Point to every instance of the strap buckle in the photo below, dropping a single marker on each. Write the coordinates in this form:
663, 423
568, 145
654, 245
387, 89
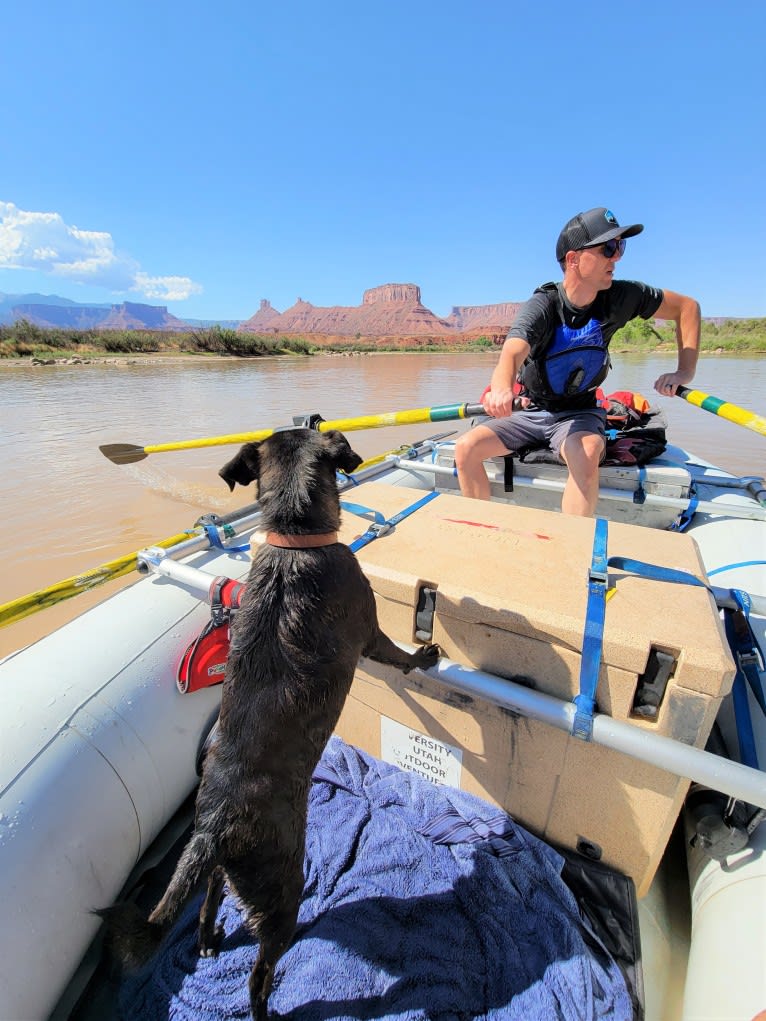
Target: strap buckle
596, 574
378, 529
750, 658
219, 612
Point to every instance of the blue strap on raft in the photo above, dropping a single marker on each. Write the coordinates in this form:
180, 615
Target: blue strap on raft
421, 902
748, 658
381, 525
211, 530
744, 646
639, 496
686, 516
595, 615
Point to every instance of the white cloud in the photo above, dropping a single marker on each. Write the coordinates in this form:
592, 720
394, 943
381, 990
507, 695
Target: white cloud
167, 288
43, 242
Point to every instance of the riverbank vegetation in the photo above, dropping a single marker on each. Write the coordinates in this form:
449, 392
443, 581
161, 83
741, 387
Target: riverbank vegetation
719, 336
23, 339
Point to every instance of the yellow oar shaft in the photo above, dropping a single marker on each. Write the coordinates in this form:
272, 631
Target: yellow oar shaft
25, 606
413, 416
211, 441
724, 409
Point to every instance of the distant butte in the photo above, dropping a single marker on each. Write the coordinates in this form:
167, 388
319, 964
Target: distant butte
390, 315
390, 311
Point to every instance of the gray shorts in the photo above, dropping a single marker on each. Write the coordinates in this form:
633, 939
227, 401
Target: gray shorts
525, 429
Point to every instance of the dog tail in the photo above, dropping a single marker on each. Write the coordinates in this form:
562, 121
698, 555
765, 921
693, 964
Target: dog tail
129, 936
133, 938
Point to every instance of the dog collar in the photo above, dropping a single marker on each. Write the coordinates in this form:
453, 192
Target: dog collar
301, 541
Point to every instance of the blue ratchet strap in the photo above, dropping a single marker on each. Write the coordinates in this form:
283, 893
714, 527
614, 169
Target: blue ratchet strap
381, 526
747, 652
655, 573
684, 519
739, 647
640, 494
435, 453
363, 512
585, 702
343, 477
215, 540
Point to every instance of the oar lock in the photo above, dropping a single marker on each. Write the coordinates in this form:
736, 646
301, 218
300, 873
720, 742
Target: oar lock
311, 421
308, 421
149, 558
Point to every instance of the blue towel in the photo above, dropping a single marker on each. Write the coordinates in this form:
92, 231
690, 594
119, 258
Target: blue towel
421, 902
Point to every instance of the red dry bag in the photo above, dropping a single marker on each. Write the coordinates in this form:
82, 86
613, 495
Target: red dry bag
204, 662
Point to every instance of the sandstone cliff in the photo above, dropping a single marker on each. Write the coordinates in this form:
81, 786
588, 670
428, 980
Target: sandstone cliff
392, 292
389, 311
264, 318
471, 317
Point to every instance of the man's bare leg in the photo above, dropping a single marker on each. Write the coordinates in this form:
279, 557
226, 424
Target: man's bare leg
471, 450
582, 454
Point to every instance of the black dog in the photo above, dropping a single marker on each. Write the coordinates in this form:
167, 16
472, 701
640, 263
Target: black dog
307, 616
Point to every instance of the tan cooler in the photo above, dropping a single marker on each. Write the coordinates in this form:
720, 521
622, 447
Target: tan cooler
511, 592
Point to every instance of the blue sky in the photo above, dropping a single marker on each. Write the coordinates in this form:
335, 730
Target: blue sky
206, 155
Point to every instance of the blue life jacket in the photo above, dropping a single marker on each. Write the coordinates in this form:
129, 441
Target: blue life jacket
574, 363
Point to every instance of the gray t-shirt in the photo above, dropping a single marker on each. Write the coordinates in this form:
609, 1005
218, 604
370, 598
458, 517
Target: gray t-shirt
539, 319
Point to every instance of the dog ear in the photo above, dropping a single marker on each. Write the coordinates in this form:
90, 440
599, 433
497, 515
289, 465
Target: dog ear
339, 451
244, 468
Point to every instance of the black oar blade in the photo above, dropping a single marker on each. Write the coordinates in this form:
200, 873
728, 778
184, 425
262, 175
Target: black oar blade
123, 453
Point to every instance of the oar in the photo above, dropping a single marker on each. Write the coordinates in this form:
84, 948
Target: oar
128, 453
26, 605
60, 591
404, 448
731, 412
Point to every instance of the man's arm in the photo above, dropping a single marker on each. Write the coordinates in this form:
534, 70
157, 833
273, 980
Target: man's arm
499, 401
685, 312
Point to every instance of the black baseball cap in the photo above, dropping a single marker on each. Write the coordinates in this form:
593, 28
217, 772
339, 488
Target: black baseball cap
592, 228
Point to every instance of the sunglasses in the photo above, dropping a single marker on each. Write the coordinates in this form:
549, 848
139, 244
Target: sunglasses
615, 246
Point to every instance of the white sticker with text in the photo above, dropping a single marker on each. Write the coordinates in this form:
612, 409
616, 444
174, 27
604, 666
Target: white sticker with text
418, 753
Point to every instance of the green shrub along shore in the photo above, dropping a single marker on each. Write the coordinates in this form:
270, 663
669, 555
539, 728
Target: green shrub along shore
23, 339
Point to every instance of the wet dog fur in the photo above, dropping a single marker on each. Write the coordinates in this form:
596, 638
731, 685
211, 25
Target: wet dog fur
306, 617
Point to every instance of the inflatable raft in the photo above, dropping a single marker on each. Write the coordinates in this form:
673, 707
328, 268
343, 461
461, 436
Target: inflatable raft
633, 752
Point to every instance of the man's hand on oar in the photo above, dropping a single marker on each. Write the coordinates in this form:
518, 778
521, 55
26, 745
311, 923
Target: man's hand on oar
128, 453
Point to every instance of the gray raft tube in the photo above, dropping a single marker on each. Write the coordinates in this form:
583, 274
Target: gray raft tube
754, 511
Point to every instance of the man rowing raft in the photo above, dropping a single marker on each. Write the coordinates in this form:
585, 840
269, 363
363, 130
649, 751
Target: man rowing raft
543, 390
